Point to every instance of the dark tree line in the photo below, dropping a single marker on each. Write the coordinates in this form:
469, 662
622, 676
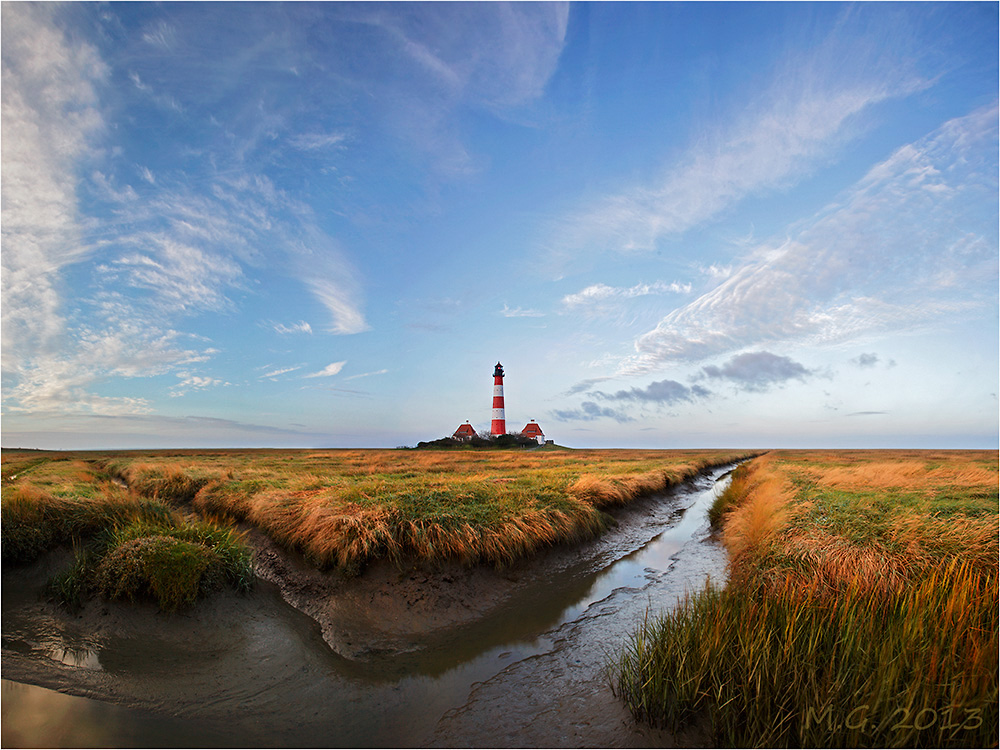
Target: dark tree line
482, 440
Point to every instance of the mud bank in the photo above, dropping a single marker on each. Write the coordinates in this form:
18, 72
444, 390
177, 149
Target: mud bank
442, 656
393, 610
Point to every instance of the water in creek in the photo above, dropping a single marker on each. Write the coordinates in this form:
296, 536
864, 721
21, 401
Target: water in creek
253, 672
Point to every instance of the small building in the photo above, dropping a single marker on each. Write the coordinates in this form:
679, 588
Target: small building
465, 432
532, 430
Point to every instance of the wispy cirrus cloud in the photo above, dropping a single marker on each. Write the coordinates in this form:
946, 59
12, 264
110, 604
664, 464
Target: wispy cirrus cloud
905, 246
599, 294
51, 118
366, 374
811, 110
190, 249
179, 276
331, 369
520, 312
194, 383
501, 55
317, 141
300, 327
271, 375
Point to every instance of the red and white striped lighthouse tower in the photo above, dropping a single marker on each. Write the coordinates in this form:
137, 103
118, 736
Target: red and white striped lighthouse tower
499, 425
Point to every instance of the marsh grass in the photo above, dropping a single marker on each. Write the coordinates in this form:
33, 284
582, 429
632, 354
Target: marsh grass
793, 666
171, 563
33, 520
861, 609
344, 509
127, 545
170, 570
341, 509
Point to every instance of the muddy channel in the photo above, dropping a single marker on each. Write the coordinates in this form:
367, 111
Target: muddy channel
444, 657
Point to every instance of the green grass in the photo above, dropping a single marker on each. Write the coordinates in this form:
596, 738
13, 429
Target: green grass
171, 563
730, 497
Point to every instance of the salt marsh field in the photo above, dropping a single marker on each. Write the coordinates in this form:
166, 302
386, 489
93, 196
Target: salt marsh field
427, 634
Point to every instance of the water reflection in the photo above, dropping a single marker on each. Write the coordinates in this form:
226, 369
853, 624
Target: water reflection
76, 657
32, 716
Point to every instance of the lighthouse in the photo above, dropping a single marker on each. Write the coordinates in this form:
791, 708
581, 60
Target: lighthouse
499, 425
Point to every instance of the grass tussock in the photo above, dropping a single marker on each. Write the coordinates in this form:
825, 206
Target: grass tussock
169, 563
861, 609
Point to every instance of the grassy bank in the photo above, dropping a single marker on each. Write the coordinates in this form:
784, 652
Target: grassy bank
861, 609
343, 509
128, 546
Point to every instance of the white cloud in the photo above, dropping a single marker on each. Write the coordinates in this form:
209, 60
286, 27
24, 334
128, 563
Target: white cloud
600, 293
282, 371
300, 327
63, 382
194, 383
910, 243
51, 123
501, 54
809, 112
717, 272
161, 34
773, 149
331, 369
338, 298
180, 276
433, 59
366, 375
316, 141
50, 119
189, 249
519, 312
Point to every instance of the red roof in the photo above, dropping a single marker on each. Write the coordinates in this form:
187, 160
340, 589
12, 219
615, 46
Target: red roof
465, 429
532, 430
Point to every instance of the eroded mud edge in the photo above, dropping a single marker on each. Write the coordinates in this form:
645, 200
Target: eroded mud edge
395, 609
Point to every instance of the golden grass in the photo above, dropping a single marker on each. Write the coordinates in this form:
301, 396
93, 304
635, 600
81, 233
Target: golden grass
902, 475
862, 608
753, 528
345, 508
856, 519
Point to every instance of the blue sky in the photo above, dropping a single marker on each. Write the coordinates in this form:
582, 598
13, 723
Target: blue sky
677, 225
